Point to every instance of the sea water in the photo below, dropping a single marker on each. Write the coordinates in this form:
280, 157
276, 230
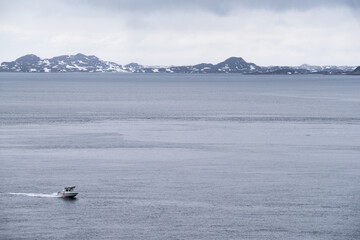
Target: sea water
177, 156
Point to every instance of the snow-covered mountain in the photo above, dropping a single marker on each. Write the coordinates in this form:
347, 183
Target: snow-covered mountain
83, 63
326, 68
356, 71
64, 63
230, 65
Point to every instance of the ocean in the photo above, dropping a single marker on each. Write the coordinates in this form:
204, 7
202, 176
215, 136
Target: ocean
179, 156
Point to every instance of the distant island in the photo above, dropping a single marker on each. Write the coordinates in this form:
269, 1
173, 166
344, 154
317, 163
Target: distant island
83, 63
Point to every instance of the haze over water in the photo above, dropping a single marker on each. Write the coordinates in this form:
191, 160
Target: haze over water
162, 156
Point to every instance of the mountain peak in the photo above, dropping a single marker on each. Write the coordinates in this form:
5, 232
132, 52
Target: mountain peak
236, 64
133, 67
28, 58
235, 59
80, 55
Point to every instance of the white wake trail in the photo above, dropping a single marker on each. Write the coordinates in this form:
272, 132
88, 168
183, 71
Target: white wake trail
52, 195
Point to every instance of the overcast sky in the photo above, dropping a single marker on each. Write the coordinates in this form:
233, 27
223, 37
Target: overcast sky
176, 32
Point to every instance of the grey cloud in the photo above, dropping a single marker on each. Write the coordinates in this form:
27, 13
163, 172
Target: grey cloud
355, 7
218, 7
215, 6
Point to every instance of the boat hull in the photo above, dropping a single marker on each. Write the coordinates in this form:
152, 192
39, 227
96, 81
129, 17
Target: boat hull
67, 194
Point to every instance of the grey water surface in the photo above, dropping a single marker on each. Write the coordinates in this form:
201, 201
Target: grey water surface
167, 156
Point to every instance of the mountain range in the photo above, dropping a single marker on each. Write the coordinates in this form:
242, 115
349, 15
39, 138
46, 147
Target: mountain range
84, 63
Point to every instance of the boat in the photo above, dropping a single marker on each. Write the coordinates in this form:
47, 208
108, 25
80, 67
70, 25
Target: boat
67, 192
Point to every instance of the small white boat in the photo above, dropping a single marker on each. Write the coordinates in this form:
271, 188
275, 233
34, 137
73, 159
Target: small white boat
68, 192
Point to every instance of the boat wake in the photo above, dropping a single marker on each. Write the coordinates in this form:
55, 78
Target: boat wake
42, 195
